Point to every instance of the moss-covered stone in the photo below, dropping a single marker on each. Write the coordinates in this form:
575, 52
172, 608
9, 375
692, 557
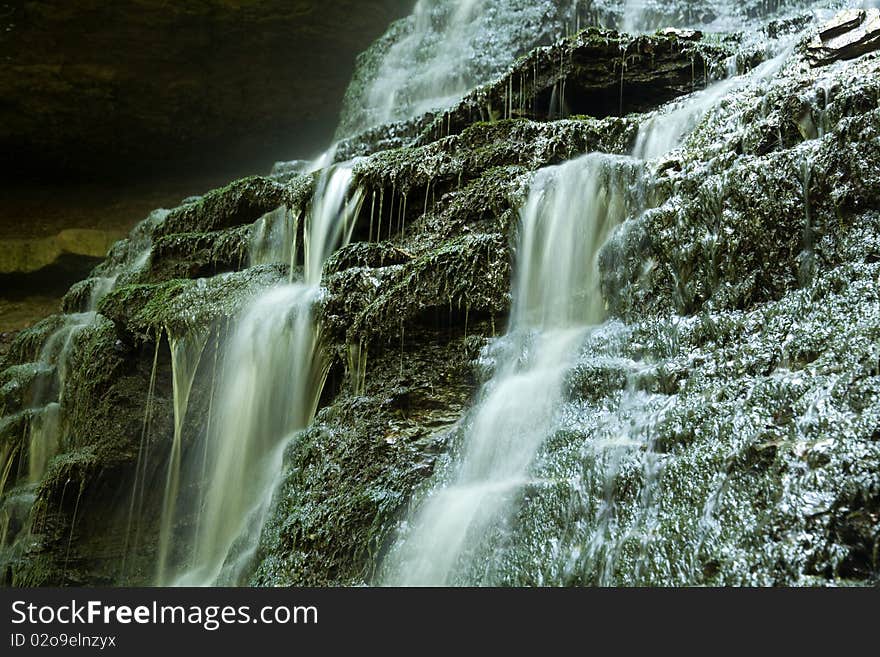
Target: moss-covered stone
595, 73
739, 227
347, 478
26, 346
241, 202
26, 385
198, 255
182, 305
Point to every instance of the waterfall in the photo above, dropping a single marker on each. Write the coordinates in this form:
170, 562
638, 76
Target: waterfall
442, 33
273, 237
634, 16
45, 422
569, 214
664, 131
445, 48
186, 353
273, 375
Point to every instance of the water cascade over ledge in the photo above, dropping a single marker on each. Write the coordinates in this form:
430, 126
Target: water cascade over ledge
557, 309
571, 211
273, 375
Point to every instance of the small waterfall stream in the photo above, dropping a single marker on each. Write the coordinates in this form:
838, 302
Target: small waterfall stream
273, 375
439, 30
186, 352
25, 464
570, 213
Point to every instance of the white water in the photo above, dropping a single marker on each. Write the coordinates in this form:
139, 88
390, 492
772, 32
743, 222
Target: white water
45, 433
444, 49
570, 212
46, 426
273, 377
665, 130
635, 16
273, 237
186, 353
645, 16
441, 38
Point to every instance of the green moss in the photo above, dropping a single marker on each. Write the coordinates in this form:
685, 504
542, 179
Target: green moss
198, 255
241, 202
181, 305
348, 477
28, 343
26, 385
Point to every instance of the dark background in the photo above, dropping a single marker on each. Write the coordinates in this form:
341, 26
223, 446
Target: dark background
123, 88
112, 108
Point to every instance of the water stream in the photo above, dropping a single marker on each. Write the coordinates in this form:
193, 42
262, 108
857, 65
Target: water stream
570, 212
186, 353
273, 375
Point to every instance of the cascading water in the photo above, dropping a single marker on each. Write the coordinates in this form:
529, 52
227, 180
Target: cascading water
442, 79
664, 131
45, 413
273, 376
444, 49
570, 213
643, 16
186, 352
273, 237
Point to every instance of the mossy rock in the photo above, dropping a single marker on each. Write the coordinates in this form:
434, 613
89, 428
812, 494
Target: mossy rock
183, 305
241, 202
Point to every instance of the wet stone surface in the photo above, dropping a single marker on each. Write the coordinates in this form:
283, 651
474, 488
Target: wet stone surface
721, 427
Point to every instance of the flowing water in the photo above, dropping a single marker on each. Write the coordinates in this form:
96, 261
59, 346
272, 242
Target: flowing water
273, 237
445, 48
186, 352
664, 131
272, 370
570, 212
274, 373
44, 413
441, 79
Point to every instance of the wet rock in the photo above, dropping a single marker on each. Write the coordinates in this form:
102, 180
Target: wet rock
595, 73
198, 255
448, 163
848, 35
182, 305
26, 345
368, 450
241, 202
6, 338
752, 210
26, 386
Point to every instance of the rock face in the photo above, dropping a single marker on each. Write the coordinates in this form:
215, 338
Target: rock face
120, 88
850, 34
741, 342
